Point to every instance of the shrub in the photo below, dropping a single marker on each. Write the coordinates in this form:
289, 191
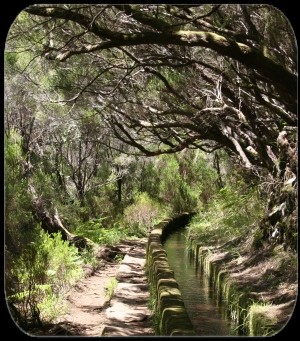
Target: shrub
229, 214
142, 214
178, 189
44, 272
18, 216
96, 231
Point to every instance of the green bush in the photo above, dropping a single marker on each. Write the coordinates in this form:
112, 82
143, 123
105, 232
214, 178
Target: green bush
95, 230
111, 236
175, 189
142, 214
44, 272
18, 216
228, 214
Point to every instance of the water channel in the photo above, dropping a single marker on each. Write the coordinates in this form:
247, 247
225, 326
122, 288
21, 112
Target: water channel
207, 315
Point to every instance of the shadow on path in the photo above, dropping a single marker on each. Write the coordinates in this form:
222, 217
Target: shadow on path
128, 314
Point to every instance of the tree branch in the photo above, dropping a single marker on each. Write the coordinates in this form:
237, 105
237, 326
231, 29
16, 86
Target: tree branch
282, 79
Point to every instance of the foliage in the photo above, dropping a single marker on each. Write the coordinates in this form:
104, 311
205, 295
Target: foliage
168, 81
174, 188
230, 213
94, 230
43, 273
18, 217
86, 105
88, 256
142, 214
111, 287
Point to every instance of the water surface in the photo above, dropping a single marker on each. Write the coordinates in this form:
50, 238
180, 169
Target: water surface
206, 314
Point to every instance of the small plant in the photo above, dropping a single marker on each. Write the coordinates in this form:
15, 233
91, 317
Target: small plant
141, 215
111, 236
88, 257
110, 289
260, 319
44, 273
119, 257
94, 230
228, 215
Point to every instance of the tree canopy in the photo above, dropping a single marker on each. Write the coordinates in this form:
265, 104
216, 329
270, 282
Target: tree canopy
152, 79
164, 78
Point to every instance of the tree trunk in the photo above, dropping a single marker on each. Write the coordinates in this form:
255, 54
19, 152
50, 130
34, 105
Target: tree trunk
216, 164
279, 225
51, 222
119, 185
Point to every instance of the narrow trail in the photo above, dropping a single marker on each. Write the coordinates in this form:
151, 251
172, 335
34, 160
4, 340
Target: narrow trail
128, 314
91, 313
87, 302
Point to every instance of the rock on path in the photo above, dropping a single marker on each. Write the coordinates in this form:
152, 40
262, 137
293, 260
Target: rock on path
128, 314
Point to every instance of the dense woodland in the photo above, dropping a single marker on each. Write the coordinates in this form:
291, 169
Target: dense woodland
117, 116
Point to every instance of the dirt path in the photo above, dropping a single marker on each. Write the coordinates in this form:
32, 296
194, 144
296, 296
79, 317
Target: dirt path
90, 312
128, 314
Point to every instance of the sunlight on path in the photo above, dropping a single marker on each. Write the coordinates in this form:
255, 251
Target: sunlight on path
128, 313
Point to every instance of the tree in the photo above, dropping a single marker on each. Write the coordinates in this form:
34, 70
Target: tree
241, 86
163, 78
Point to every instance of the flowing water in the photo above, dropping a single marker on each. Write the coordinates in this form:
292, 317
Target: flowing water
207, 315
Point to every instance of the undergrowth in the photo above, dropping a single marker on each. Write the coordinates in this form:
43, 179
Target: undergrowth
229, 214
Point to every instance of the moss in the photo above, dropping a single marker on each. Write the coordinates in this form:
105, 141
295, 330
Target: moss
205, 36
288, 188
169, 313
251, 318
176, 319
260, 319
221, 278
225, 287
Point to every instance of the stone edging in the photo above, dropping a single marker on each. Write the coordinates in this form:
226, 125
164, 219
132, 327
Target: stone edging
173, 318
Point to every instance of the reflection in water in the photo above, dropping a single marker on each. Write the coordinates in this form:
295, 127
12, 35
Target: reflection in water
207, 316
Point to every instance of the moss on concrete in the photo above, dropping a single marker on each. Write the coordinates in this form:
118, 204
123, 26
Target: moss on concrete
252, 318
259, 320
169, 307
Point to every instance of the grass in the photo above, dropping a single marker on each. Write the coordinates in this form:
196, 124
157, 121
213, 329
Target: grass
152, 304
260, 319
111, 287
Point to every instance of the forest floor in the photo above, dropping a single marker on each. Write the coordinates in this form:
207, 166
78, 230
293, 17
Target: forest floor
98, 305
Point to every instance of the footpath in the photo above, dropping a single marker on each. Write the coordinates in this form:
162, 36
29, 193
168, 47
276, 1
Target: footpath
91, 312
128, 314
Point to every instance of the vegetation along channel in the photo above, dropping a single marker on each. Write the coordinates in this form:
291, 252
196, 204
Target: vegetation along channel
120, 118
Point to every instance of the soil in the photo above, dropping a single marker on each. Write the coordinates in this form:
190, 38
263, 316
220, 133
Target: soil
86, 304
90, 311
